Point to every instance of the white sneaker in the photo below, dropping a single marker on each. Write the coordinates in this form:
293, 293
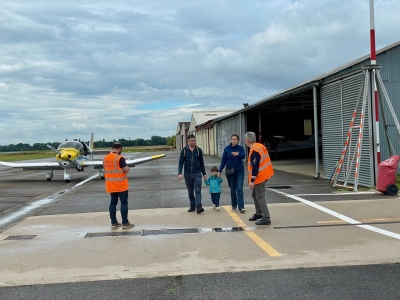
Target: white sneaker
214, 206
242, 210
217, 208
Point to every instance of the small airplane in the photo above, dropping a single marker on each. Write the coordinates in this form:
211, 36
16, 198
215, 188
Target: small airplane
75, 154
279, 143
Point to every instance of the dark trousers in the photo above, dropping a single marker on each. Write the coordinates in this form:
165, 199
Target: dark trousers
123, 197
235, 183
193, 184
215, 198
260, 203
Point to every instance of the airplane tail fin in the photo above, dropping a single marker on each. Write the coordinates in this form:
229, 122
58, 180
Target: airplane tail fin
92, 141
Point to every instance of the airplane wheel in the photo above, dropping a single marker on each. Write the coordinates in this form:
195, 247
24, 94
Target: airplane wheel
67, 181
48, 179
102, 177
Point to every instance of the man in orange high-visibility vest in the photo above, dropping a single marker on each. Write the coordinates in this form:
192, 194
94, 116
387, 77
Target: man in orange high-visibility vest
115, 175
259, 171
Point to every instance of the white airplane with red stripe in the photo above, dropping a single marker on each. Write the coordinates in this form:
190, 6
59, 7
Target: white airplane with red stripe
75, 154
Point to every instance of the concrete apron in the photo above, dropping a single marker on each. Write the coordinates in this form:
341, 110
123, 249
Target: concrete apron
61, 253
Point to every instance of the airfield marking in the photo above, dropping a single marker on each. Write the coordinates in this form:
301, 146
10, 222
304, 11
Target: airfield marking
259, 241
340, 216
361, 220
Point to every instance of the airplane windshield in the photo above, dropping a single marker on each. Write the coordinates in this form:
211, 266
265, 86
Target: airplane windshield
70, 144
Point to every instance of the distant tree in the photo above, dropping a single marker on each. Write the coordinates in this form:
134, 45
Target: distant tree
171, 140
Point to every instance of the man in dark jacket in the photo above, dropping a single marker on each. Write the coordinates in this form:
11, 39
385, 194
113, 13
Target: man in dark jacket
232, 158
192, 159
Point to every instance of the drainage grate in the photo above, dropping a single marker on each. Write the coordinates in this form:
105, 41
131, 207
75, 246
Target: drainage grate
228, 229
279, 187
20, 237
106, 234
170, 231
141, 232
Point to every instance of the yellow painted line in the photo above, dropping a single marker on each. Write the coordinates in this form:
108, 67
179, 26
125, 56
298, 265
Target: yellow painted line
259, 241
361, 220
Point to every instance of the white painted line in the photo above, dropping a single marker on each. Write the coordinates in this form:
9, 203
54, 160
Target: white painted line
340, 216
86, 180
341, 194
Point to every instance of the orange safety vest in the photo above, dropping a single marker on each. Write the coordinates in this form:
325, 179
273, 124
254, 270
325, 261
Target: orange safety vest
116, 178
265, 170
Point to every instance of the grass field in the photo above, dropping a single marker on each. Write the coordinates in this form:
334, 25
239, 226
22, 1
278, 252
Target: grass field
27, 155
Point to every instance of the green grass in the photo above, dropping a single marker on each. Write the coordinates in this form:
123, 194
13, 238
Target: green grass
16, 156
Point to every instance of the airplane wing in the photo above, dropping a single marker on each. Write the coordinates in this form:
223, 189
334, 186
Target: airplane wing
129, 162
32, 165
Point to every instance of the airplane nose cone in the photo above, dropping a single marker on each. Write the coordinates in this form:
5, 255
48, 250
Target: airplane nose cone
64, 156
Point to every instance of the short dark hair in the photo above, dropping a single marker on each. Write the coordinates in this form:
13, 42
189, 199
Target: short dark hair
191, 136
117, 145
214, 168
237, 136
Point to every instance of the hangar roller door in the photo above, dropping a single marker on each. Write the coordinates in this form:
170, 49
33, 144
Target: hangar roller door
225, 129
338, 100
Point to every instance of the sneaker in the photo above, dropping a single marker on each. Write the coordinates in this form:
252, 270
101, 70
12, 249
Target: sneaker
214, 206
264, 222
242, 210
255, 217
217, 208
114, 225
128, 225
233, 208
191, 209
200, 210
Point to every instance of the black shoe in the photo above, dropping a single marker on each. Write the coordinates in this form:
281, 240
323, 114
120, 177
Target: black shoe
200, 210
191, 209
264, 222
255, 217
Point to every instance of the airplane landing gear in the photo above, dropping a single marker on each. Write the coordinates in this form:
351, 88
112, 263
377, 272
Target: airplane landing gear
101, 173
49, 175
67, 177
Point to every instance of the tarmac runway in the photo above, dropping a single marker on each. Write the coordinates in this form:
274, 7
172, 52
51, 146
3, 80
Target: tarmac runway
57, 237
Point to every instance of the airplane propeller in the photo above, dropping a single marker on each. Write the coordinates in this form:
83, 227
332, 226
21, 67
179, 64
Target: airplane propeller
67, 157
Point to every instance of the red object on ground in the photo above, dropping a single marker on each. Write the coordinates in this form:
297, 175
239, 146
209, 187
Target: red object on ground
387, 175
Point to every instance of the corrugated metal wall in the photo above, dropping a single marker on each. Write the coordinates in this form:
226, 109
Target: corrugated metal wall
390, 73
225, 129
338, 101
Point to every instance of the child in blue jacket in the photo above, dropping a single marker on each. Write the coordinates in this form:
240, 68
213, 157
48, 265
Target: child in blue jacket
215, 186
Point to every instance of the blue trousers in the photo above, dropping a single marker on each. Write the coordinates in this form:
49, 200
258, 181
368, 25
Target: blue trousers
123, 197
215, 198
193, 184
235, 183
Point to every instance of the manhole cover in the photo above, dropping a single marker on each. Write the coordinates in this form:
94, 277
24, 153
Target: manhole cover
170, 231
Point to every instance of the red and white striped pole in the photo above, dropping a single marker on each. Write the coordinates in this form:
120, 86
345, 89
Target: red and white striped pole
373, 77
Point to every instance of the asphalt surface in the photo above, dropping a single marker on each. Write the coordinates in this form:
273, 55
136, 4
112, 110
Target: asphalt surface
155, 186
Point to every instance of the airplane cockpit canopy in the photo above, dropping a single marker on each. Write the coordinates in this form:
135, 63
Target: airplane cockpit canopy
70, 144
78, 145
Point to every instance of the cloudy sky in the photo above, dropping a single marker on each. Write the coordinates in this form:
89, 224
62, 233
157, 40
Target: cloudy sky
133, 69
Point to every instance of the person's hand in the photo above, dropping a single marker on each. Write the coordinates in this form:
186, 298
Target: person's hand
219, 174
251, 185
205, 177
180, 176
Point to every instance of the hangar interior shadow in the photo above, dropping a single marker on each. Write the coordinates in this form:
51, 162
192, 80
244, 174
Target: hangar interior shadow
285, 117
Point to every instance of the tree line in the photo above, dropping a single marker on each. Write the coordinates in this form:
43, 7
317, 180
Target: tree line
153, 141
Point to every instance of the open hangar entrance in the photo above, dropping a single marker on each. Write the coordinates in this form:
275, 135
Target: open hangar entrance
286, 124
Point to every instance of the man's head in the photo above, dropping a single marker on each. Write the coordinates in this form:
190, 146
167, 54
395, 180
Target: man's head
117, 147
191, 139
250, 138
235, 139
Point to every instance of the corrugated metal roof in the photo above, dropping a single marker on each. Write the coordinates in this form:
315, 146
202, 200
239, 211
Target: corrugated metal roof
199, 117
179, 126
309, 83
